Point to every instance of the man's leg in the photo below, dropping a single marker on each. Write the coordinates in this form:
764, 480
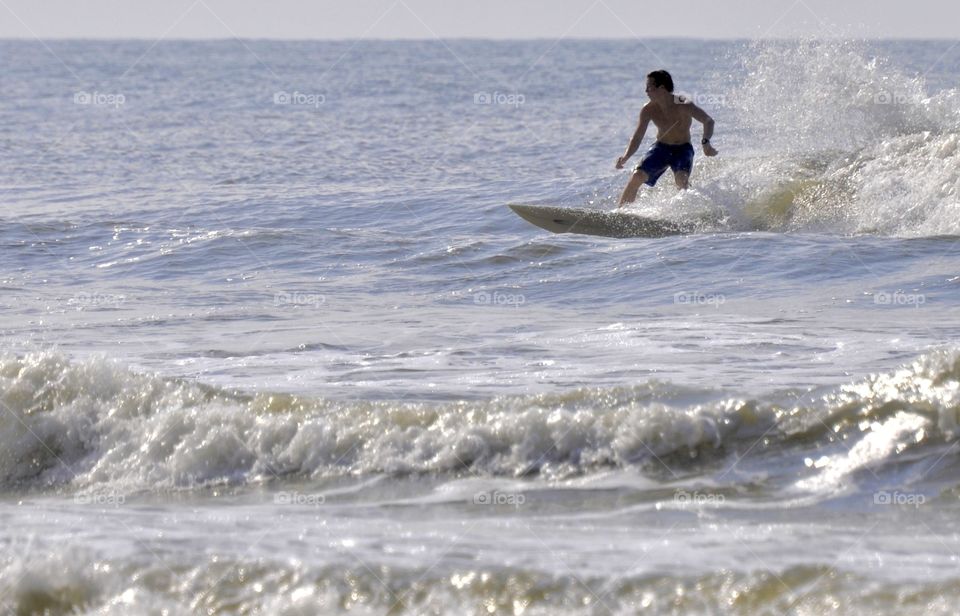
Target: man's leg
630, 192
682, 165
682, 178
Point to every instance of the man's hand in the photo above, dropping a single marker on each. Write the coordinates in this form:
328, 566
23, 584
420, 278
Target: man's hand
709, 150
620, 162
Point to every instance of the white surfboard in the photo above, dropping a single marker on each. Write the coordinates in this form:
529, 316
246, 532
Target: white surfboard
597, 222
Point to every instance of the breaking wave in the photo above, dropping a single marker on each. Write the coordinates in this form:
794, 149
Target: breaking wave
92, 423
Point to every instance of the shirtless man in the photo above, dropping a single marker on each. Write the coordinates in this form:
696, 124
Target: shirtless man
672, 116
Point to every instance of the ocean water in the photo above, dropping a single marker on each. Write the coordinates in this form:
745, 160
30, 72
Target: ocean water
272, 342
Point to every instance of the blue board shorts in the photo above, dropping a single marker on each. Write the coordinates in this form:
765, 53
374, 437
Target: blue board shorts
663, 155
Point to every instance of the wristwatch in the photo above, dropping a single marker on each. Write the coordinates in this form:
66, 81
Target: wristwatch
704, 141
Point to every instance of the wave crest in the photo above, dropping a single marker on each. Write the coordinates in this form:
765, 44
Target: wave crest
92, 423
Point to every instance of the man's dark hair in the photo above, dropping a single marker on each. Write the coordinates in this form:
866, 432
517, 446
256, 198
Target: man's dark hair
662, 78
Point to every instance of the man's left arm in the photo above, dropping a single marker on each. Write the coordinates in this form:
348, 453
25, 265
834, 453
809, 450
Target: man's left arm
701, 116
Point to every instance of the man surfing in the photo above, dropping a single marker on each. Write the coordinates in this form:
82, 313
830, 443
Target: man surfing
672, 115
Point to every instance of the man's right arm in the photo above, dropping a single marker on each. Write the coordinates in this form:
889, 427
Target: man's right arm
637, 138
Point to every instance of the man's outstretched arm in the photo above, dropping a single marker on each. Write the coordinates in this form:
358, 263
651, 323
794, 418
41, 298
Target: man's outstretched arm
701, 116
637, 138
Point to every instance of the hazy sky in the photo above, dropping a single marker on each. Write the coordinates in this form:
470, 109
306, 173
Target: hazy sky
326, 19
